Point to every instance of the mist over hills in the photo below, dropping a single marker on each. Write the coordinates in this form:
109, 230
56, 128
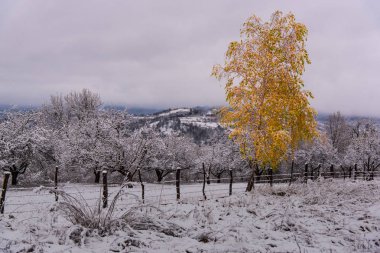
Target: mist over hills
149, 111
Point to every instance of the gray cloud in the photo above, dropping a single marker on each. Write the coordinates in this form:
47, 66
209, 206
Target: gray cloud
160, 53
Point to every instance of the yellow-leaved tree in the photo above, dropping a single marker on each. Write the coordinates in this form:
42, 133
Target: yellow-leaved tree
269, 112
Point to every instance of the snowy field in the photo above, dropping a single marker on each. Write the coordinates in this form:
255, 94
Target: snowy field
325, 216
25, 200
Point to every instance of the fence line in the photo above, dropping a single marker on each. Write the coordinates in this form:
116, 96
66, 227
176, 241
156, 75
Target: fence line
166, 191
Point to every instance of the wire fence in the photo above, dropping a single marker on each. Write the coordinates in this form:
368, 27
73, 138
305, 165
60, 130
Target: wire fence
21, 200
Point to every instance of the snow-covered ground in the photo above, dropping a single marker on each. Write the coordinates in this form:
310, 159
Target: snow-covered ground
199, 121
325, 216
174, 111
28, 200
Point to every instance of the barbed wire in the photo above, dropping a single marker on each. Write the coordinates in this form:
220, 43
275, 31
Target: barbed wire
211, 190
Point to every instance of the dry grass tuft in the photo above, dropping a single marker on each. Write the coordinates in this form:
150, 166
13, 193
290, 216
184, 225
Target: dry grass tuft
78, 211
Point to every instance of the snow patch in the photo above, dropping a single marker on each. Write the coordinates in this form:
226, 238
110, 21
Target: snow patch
175, 111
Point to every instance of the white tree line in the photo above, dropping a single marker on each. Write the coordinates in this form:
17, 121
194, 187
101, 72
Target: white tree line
74, 133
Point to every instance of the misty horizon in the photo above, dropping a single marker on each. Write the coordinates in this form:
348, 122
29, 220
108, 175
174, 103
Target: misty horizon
148, 54
146, 110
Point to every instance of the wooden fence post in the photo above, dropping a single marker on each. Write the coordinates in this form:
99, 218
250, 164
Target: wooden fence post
4, 191
306, 172
105, 189
142, 187
56, 183
291, 173
204, 181
270, 172
177, 183
355, 171
231, 181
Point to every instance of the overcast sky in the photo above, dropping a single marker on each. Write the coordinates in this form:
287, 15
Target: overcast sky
160, 53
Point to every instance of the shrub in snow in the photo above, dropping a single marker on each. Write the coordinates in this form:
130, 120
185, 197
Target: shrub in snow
105, 221
79, 212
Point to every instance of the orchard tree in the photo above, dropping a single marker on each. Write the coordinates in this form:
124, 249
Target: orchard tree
269, 111
135, 151
87, 147
339, 132
75, 106
77, 131
318, 153
22, 143
365, 147
219, 156
173, 152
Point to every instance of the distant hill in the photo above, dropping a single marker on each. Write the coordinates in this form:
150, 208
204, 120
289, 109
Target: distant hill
323, 117
200, 123
133, 110
155, 111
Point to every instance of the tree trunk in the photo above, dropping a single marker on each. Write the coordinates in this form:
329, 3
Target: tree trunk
251, 180
208, 176
14, 177
258, 173
332, 173
311, 172
270, 173
218, 178
159, 174
291, 173
129, 176
97, 176
250, 183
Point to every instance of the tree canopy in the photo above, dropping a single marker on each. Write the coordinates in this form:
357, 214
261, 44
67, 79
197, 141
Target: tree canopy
269, 111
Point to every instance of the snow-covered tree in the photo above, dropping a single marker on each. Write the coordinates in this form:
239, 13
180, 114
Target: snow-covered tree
339, 132
75, 106
365, 147
173, 152
269, 109
22, 143
220, 155
320, 152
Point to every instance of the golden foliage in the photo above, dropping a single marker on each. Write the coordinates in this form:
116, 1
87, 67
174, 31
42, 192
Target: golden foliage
269, 112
